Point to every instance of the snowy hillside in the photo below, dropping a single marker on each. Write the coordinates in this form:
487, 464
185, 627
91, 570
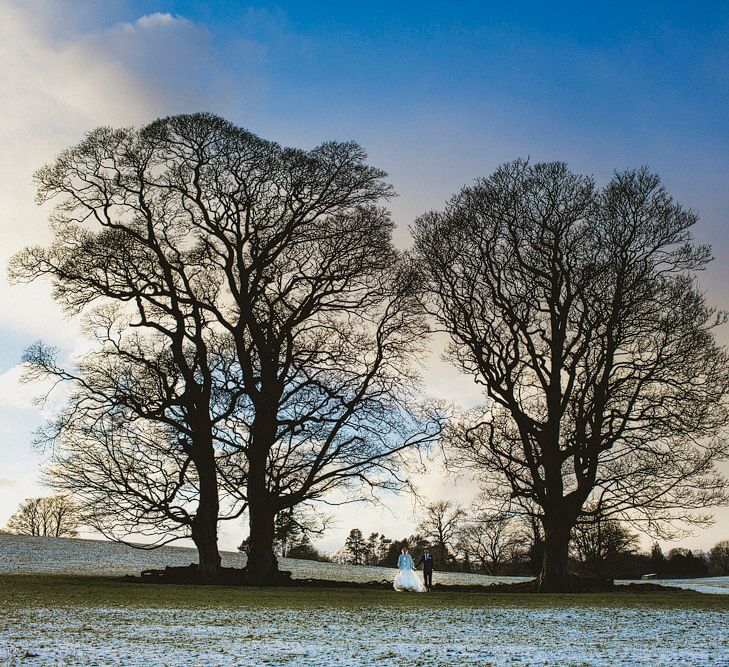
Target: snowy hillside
54, 555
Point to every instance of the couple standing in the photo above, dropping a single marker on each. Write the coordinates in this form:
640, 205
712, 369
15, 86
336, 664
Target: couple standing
406, 579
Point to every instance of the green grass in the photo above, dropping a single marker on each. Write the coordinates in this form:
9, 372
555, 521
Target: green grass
52, 591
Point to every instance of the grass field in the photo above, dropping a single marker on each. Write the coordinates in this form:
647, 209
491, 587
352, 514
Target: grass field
70, 592
64, 602
66, 620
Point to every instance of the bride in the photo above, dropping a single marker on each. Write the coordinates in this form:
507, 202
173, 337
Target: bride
406, 579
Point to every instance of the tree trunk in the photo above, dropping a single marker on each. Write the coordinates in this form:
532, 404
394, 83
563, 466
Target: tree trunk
554, 577
262, 566
205, 524
205, 537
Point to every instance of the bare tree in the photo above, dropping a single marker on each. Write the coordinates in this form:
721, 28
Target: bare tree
719, 556
53, 516
598, 541
132, 479
490, 539
204, 230
578, 312
441, 525
125, 443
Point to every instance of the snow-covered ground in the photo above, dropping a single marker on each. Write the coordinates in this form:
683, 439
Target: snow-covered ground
367, 636
52, 555
49, 555
363, 634
716, 585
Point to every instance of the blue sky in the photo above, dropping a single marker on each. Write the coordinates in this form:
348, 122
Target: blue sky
438, 93
572, 66
594, 80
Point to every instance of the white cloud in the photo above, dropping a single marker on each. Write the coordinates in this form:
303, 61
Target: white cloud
62, 73
22, 396
164, 64
156, 19
54, 90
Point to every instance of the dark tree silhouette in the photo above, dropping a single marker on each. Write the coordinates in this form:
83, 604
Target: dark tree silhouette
372, 551
305, 550
719, 557
685, 563
489, 538
383, 549
440, 525
355, 547
598, 543
125, 443
52, 516
578, 311
202, 230
657, 560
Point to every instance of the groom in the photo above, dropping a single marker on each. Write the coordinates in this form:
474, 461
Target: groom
427, 561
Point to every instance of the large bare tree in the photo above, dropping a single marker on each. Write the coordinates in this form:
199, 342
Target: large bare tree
137, 438
204, 230
578, 311
122, 443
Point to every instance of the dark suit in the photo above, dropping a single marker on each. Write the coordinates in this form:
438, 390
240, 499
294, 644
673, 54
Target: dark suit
427, 563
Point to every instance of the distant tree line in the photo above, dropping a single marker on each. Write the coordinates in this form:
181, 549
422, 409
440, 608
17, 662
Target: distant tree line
505, 544
690, 563
510, 544
459, 541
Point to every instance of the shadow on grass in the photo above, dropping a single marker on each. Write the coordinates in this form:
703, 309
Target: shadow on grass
65, 591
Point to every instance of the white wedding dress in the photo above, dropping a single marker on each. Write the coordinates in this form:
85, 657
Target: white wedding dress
406, 579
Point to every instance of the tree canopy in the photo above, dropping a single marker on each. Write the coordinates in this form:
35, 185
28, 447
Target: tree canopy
257, 297
578, 310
